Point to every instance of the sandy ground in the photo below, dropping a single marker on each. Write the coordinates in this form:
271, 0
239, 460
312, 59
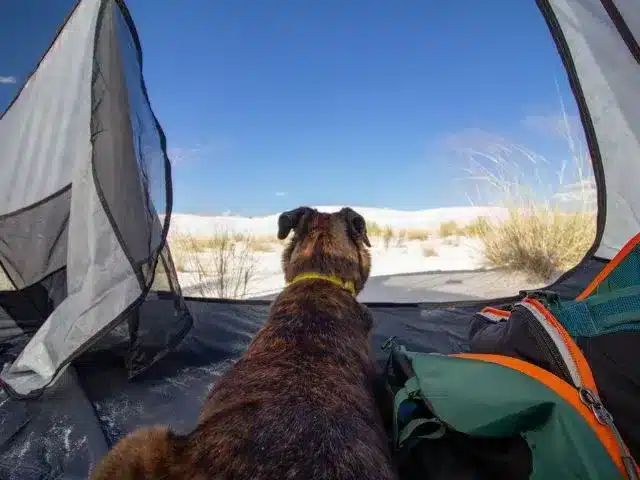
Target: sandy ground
400, 273
437, 269
452, 254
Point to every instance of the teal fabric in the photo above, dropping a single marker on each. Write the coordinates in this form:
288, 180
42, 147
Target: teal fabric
600, 314
626, 274
479, 398
613, 307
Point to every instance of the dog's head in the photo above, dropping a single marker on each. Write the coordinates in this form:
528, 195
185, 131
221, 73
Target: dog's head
326, 243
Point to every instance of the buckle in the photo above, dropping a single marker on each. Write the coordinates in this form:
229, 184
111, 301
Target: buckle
548, 297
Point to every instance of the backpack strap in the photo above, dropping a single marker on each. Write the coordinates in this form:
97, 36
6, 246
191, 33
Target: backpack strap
410, 392
584, 383
622, 270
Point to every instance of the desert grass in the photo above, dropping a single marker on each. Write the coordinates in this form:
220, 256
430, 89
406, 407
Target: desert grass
428, 251
542, 242
551, 222
388, 233
478, 228
449, 229
223, 264
418, 234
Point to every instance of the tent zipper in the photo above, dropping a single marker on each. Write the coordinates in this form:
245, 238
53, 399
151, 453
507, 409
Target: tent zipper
565, 353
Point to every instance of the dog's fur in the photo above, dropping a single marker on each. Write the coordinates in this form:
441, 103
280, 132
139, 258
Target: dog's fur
299, 403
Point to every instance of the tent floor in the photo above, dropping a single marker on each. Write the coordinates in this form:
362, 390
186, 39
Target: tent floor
66, 431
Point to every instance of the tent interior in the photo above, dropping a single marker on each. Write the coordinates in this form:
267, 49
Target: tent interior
97, 337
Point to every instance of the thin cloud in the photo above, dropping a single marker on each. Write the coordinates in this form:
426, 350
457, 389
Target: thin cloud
281, 194
8, 80
216, 149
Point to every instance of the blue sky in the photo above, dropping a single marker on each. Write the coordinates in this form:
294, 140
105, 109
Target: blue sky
269, 105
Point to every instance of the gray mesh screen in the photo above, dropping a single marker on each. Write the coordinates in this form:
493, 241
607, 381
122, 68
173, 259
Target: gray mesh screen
33, 241
131, 171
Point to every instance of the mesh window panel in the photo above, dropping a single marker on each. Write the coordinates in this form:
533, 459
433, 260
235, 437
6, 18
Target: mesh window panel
131, 172
33, 241
151, 332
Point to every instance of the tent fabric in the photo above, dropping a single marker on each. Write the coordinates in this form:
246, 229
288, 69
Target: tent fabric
69, 428
86, 173
599, 42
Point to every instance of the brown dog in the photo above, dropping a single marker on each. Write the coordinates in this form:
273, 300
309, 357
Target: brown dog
299, 403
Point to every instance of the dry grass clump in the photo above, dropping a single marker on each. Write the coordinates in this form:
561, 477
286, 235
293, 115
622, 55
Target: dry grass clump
541, 242
550, 222
223, 264
477, 228
374, 230
429, 251
418, 234
449, 229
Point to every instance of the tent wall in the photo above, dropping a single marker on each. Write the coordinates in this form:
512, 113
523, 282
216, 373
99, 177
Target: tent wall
99, 233
598, 40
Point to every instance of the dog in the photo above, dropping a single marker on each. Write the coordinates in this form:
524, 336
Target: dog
299, 403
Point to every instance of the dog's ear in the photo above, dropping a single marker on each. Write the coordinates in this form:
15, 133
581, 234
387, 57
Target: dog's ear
356, 224
290, 220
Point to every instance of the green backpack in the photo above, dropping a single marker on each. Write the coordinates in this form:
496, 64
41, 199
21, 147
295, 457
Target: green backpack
562, 421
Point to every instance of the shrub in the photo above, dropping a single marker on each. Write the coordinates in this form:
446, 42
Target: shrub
374, 230
449, 229
262, 244
428, 251
550, 223
541, 242
478, 228
224, 265
387, 236
418, 234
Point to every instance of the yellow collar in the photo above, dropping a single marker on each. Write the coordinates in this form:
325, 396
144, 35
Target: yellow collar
346, 284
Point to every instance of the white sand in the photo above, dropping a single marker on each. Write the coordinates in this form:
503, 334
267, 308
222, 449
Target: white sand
451, 254
200, 225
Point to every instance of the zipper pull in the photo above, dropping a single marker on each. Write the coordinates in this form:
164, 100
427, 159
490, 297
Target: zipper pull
590, 399
604, 417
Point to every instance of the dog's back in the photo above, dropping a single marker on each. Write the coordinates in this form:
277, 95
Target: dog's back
299, 403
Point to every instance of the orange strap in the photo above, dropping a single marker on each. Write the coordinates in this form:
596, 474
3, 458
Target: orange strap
566, 391
497, 311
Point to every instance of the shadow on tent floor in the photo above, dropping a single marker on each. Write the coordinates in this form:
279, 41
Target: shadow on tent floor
452, 286
66, 431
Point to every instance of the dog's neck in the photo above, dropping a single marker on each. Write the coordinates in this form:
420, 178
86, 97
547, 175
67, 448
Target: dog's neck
347, 285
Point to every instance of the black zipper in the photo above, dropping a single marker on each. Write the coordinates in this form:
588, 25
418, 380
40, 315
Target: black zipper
548, 347
587, 396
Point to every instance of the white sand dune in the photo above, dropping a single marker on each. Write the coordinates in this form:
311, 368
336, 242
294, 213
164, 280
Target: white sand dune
201, 225
399, 257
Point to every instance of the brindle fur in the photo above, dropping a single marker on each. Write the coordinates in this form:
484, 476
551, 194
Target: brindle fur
299, 403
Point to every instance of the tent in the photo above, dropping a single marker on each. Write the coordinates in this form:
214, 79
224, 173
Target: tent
96, 337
